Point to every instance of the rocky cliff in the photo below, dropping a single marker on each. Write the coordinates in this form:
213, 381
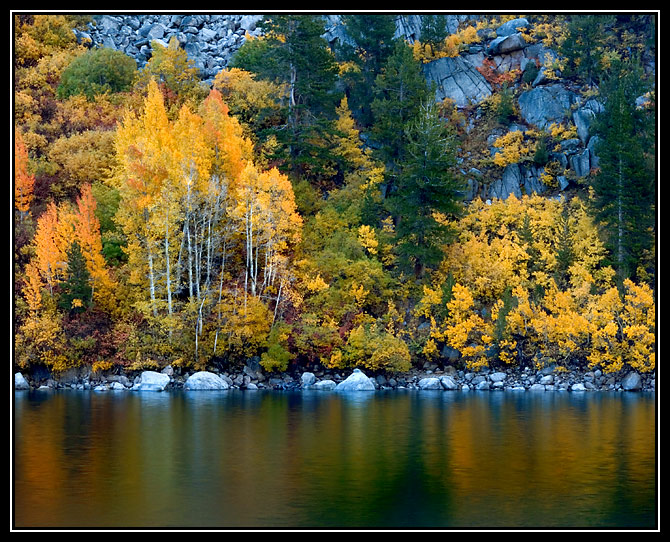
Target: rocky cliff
211, 41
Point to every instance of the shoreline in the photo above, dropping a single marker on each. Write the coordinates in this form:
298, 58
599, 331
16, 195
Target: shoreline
448, 378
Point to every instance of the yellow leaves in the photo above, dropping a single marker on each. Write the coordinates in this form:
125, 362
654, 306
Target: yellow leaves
431, 297
512, 149
451, 46
509, 247
372, 347
316, 284
562, 132
56, 229
465, 330
359, 293
367, 238
32, 291
488, 267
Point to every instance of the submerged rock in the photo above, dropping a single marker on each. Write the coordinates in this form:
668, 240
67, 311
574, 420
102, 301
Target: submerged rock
325, 385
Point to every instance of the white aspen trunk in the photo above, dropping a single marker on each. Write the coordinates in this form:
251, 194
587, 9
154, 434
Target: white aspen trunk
168, 279
274, 315
189, 252
223, 264
152, 285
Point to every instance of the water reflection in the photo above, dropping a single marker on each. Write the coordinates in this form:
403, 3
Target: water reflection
317, 459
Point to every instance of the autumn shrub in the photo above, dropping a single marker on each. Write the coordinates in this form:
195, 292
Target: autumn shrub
277, 356
41, 341
370, 346
97, 71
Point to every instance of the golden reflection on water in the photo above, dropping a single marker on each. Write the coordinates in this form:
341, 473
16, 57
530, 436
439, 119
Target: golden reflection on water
256, 459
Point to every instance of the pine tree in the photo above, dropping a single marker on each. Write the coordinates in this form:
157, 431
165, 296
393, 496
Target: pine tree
373, 43
427, 191
624, 190
297, 56
399, 92
584, 43
433, 30
76, 291
564, 248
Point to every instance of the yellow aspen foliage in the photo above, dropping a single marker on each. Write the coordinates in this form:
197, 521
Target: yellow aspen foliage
561, 325
348, 145
41, 341
465, 330
316, 284
451, 46
248, 97
368, 239
561, 132
431, 297
623, 330
32, 291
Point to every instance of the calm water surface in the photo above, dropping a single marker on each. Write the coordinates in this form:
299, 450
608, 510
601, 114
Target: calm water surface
255, 459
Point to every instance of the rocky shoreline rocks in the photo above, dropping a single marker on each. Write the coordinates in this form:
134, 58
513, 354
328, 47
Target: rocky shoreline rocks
446, 378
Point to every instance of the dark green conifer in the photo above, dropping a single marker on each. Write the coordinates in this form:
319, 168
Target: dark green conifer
624, 186
76, 291
426, 184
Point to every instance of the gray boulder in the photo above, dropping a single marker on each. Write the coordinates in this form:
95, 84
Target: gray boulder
448, 383
429, 383
581, 163
205, 380
547, 379
545, 105
357, 381
20, 383
512, 27
631, 382
307, 379
457, 79
497, 377
117, 386
483, 385
505, 45
151, 381
584, 117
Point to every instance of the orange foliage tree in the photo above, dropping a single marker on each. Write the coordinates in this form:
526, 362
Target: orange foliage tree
24, 181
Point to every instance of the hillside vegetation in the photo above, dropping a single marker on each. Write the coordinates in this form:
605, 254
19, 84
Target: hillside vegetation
328, 203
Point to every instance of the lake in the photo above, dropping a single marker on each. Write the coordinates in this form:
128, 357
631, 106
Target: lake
409, 459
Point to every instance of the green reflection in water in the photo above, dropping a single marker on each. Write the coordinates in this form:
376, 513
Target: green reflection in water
314, 459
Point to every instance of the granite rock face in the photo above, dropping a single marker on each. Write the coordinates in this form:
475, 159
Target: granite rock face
457, 79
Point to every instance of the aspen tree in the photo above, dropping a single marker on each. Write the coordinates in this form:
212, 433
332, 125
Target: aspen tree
24, 181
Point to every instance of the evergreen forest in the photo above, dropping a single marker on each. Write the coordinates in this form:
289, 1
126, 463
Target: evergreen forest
313, 205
